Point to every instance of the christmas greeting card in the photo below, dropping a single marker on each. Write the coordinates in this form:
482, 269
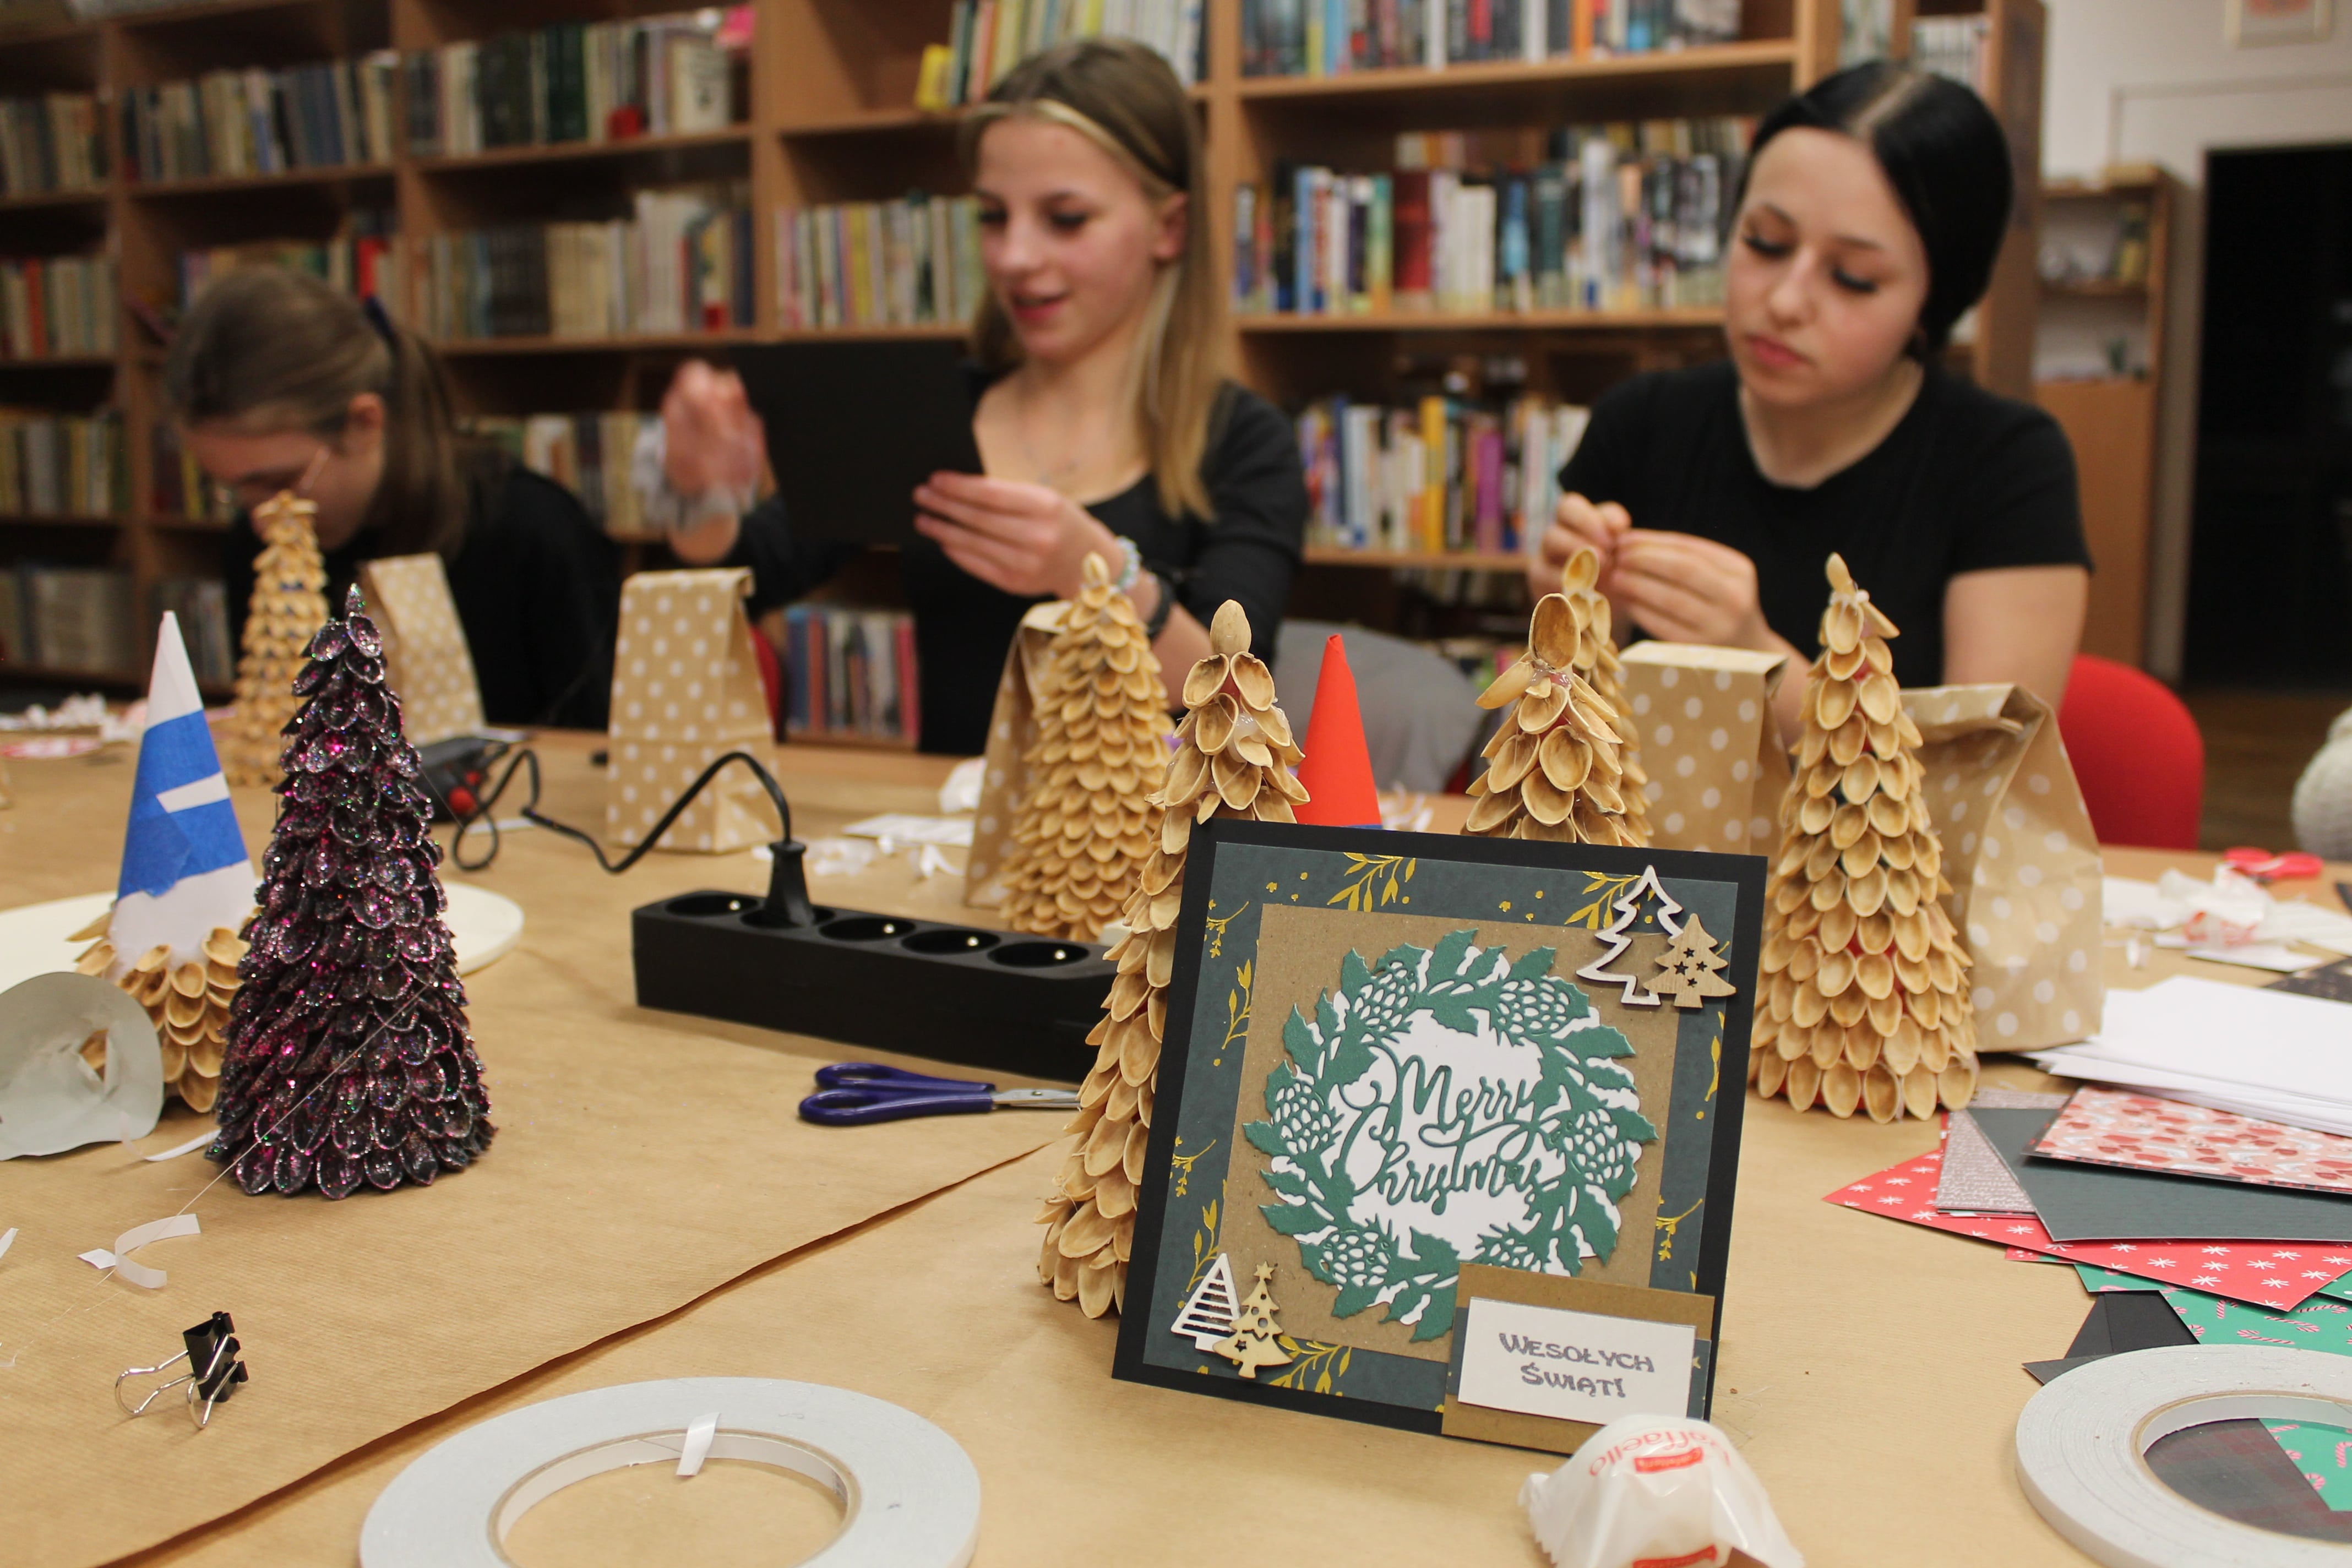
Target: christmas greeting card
1389, 1056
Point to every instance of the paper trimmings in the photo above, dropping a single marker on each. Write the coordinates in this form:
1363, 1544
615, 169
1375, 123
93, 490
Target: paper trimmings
1555, 768
1233, 757
289, 605
1862, 995
1100, 752
189, 1005
685, 690
426, 657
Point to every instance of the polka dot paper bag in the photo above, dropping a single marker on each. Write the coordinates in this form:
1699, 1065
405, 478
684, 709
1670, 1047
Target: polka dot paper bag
426, 657
2021, 860
685, 690
1703, 724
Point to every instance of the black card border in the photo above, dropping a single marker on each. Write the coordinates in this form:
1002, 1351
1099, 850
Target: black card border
1746, 872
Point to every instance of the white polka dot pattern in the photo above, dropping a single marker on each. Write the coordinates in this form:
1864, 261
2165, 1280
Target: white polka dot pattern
2023, 865
426, 661
1717, 770
685, 690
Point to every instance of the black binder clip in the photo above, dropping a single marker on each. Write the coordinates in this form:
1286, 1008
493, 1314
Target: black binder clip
213, 1372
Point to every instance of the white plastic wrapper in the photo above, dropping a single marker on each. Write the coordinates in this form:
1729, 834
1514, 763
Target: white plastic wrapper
1655, 1491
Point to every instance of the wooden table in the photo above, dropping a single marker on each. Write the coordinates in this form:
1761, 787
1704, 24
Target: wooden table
1870, 1369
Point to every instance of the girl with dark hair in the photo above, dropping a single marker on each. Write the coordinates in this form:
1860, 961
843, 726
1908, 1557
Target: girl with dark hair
279, 382
1105, 420
1872, 209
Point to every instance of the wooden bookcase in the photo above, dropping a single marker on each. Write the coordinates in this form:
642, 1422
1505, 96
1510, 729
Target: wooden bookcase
2112, 417
832, 85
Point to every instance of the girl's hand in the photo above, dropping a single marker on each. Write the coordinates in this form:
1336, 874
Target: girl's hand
714, 440
1686, 589
1025, 539
1576, 524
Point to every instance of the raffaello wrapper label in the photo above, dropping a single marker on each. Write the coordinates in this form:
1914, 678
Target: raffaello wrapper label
1655, 1491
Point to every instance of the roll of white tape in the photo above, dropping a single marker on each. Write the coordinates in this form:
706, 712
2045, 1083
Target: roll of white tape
2081, 1443
909, 1495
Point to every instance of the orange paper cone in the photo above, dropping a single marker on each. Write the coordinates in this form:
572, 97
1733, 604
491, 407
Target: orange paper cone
1338, 770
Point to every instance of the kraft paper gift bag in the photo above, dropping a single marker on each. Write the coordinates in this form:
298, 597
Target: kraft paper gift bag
1703, 721
2021, 859
685, 690
1004, 779
425, 659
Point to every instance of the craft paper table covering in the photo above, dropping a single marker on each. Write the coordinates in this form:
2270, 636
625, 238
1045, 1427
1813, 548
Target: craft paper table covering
933, 1308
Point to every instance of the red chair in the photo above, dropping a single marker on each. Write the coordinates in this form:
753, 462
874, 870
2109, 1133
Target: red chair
2136, 753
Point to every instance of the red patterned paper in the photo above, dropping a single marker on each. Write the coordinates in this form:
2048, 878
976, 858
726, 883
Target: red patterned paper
2141, 1132
2261, 1273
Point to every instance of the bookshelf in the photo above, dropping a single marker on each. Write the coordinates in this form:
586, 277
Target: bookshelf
2105, 369
827, 90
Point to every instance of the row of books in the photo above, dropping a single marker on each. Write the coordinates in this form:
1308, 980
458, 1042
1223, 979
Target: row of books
57, 307
850, 672
575, 81
53, 143
865, 264
76, 619
589, 454
201, 606
176, 486
1445, 474
232, 124
63, 465
1952, 47
362, 260
1626, 216
683, 264
1332, 37
986, 38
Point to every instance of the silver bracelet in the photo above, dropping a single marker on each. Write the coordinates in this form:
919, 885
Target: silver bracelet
1131, 564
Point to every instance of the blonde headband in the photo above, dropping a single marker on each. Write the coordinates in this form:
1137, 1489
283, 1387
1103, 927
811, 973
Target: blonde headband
1085, 125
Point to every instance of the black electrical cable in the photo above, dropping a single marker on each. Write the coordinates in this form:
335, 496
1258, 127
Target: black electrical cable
482, 812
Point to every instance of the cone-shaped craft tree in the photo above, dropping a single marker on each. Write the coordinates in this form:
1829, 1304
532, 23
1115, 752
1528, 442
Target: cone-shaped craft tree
1101, 751
349, 1059
189, 1003
1596, 661
1556, 769
1233, 757
289, 604
1863, 998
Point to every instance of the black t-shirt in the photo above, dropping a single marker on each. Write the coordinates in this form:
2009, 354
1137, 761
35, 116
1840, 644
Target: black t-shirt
536, 585
1966, 482
1249, 552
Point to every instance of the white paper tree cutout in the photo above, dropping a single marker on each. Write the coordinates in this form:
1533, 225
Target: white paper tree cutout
1620, 936
1690, 970
1252, 1345
1209, 1312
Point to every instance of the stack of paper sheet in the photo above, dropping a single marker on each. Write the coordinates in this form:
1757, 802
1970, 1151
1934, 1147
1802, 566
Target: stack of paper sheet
2268, 1054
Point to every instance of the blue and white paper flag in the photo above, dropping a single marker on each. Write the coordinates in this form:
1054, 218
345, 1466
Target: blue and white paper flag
184, 870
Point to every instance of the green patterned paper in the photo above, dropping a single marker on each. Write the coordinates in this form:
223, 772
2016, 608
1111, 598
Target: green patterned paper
2321, 1323
2320, 1453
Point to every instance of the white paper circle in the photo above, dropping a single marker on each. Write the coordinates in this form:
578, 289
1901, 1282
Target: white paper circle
909, 1495
36, 939
50, 1098
2081, 1444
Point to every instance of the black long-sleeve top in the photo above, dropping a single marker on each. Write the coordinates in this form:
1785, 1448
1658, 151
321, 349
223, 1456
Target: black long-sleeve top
1248, 552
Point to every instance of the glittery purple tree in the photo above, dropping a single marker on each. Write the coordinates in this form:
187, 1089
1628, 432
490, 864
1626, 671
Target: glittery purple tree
348, 1058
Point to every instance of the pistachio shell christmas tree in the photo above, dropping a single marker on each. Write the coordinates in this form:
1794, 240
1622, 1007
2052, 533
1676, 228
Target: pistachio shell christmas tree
1596, 661
289, 604
1233, 757
1863, 996
1081, 837
1556, 769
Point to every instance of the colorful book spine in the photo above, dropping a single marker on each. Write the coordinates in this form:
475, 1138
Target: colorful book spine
986, 38
1444, 475
57, 307
850, 673
878, 264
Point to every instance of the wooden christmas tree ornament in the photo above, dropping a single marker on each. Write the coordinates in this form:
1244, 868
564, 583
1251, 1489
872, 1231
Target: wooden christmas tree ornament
1556, 769
289, 604
1233, 757
1863, 990
1596, 661
189, 1003
1082, 834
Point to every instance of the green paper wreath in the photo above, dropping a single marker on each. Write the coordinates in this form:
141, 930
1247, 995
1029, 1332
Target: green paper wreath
1586, 1118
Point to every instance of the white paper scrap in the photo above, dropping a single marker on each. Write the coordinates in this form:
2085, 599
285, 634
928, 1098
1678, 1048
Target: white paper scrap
2270, 956
904, 827
7, 1240
700, 1436
1572, 1366
131, 1240
190, 1147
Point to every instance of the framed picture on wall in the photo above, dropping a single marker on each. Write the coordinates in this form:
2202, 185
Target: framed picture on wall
2255, 22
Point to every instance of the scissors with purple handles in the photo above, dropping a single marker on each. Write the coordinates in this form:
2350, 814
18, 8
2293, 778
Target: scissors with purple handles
851, 1094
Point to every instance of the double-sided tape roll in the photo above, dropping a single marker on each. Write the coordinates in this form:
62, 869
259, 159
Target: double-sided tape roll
909, 1495
2081, 1443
